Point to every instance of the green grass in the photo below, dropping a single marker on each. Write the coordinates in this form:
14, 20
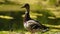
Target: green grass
52, 31
52, 2
38, 12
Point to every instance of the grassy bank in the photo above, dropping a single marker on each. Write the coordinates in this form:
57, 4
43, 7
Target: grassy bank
11, 16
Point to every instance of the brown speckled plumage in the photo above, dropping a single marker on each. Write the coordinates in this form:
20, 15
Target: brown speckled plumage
32, 25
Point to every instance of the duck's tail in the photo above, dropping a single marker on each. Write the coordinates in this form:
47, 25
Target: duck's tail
45, 28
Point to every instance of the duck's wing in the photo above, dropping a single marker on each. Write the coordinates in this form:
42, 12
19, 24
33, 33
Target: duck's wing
36, 25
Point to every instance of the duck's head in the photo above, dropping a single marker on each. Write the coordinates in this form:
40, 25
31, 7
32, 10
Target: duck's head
26, 6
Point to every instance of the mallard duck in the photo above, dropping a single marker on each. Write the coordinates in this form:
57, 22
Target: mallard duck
30, 24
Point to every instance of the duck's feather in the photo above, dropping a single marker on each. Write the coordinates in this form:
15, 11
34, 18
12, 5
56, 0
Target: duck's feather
32, 24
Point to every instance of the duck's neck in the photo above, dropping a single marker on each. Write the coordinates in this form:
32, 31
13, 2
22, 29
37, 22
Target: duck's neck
27, 16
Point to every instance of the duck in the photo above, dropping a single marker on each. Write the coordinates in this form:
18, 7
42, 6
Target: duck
31, 24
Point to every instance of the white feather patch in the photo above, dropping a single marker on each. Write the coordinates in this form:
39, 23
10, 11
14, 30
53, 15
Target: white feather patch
28, 23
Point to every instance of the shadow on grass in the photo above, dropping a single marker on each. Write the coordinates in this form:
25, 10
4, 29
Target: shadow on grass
13, 24
45, 20
55, 28
17, 22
